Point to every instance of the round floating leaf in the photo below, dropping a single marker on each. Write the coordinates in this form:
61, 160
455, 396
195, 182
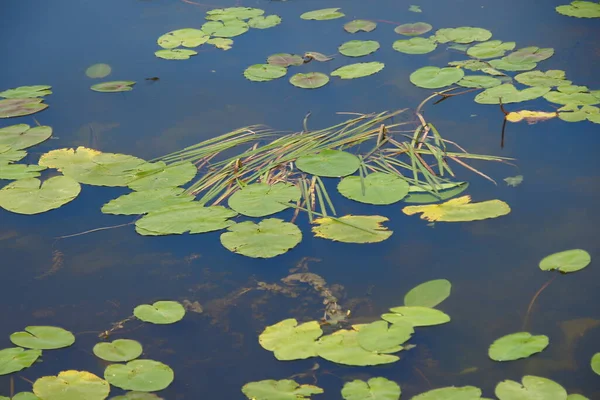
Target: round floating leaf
428, 294
566, 261
22, 396
8, 155
175, 54
20, 171
508, 65
452, 392
71, 385
517, 345
188, 217
140, 375
533, 388
269, 238
381, 338
19, 107
290, 341
138, 203
415, 45
373, 389
21, 136
479, 81
538, 78
416, 316
416, 29
221, 43
465, 34
352, 229
359, 25
285, 60
260, 199
25, 92
329, 163
279, 390
530, 54
445, 191
187, 37
98, 71
31, 196
113, 87
264, 22
358, 48
137, 396
311, 80
160, 175
226, 29
342, 347
161, 312
358, 70
491, 49
322, 14
435, 78
580, 99
233, 13
415, 9
376, 188
595, 363
509, 94
580, 9
43, 338
15, 359
264, 72
459, 210
119, 350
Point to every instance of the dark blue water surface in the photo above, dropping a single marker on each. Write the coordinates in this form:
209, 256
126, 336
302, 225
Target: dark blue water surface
98, 278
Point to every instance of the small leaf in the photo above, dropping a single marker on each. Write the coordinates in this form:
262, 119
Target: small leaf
358, 70
285, 60
460, 209
490, 49
311, 80
175, 54
322, 14
329, 163
161, 312
566, 261
428, 294
416, 316
517, 345
98, 71
465, 34
359, 25
376, 188
352, 229
262, 22
415, 9
119, 350
113, 87
358, 48
264, 72
514, 181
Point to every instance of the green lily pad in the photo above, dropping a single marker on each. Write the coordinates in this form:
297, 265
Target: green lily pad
260, 199
445, 191
226, 29
533, 388
352, 229
435, 78
8, 155
595, 363
264, 72
530, 54
187, 37
416, 316
119, 350
509, 94
428, 294
452, 392
507, 65
359, 25
517, 345
138, 203
31, 196
22, 136
310, 80
459, 210
373, 389
221, 43
140, 375
113, 87
15, 359
20, 107
580, 9
43, 338
378, 337
264, 22
159, 175
471, 65
285, 60
322, 14
415, 45
290, 341
358, 48
27, 92
329, 163
415, 9
71, 385
269, 238
233, 13
133, 395
566, 261
576, 397
161, 312
415, 29
465, 34
284, 389
175, 54
580, 99
98, 71
570, 89
19, 171
190, 217
538, 78
479, 81
376, 188
342, 347
491, 49
22, 396
358, 70
514, 181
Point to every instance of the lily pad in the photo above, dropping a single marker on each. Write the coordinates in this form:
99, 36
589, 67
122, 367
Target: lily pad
465, 34
378, 337
580, 9
471, 65
530, 54
435, 78
322, 14
22, 396
138, 203
452, 392
19, 171
415, 29
284, 389
507, 93
415, 9
358, 48
595, 363
491, 49
159, 175
264, 22
580, 99
310, 80
514, 181
269, 238
140, 375
233, 13
119, 350
533, 388
352, 229
415, 45
422, 195
376, 188
373, 389
27, 92
190, 217
538, 78
359, 25
416, 316
71, 385
221, 43
570, 89
290, 341
22, 136
479, 81
264, 72
566, 261
507, 65
187, 37
19, 107
113, 87
134, 395
517, 345
15, 359
329, 163
43, 338
31, 196
175, 54
98, 71
8, 155
358, 70
342, 347
226, 29
428, 294
459, 210
576, 397
161, 313
285, 60
260, 199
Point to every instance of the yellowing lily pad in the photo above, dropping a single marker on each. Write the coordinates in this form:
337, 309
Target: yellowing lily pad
376, 188
459, 210
530, 116
374, 388
43, 338
322, 14
285, 389
71, 385
221, 43
290, 341
269, 238
189, 217
31, 196
566, 261
260, 199
15, 359
161, 312
445, 191
140, 375
119, 350
517, 345
352, 229
416, 316
359, 25
342, 347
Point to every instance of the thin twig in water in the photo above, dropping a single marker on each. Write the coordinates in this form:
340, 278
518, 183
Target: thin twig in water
537, 294
423, 376
200, 4
95, 230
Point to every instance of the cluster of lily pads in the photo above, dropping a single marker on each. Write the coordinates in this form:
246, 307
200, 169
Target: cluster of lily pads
580, 9
139, 376
23, 100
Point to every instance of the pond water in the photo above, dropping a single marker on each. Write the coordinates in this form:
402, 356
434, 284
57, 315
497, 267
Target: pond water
88, 282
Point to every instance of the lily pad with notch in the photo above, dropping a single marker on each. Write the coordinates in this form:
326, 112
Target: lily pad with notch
159, 175
71, 385
516, 346
43, 338
416, 316
285, 60
19, 107
580, 9
190, 217
146, 201
19, 171
310, 80
566, 261
507, 93
284, 389
15, 359
375, 388
549, 78
27, 92
464, 34
120, 350
329, 163
233, 13
187, 37
416, 45
21, 396
435, 78
508, 65
22, 136
262, 22
342, 347
414, 29
260, 199
358, 48
358, 70
175, 54
352, 229
264, 72
445, 191
269, 238
381, 337
359, 25
490, 49
226, 29
479, 81
533, 388
531, 54
161, 313
113, 87
452, 392
289, 340
460, 210
322, 14
31, 196
376, 188
140, 375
